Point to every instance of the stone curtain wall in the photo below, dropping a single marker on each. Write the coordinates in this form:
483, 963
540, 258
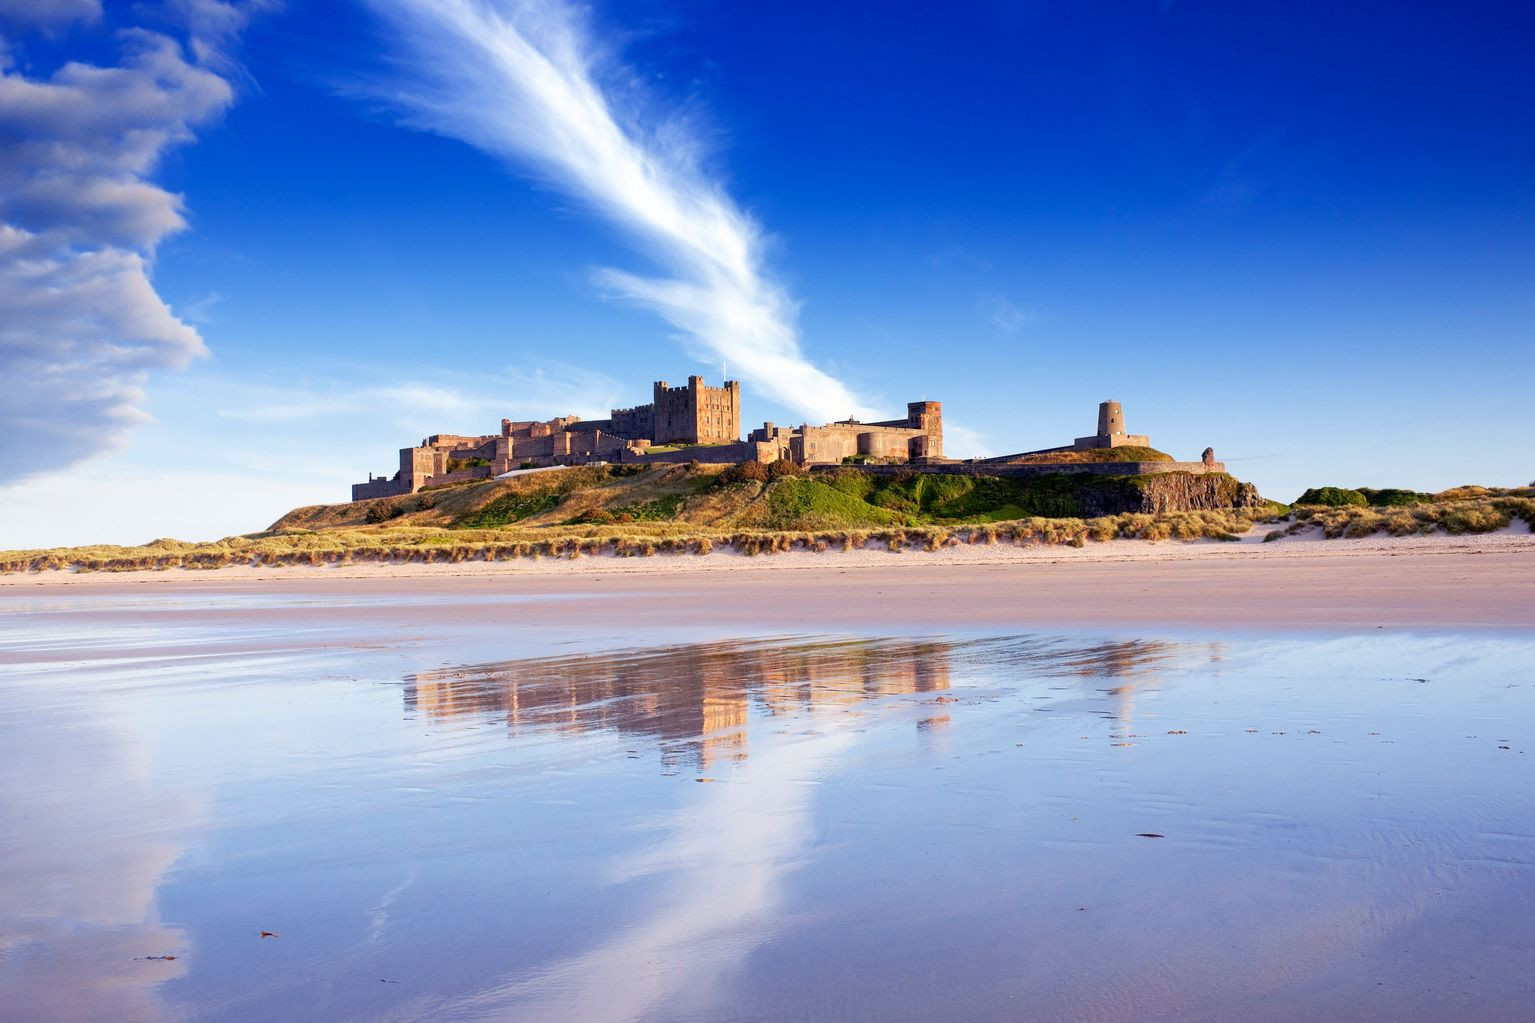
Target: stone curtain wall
1053, 469
738, 451
636, 423
379, 488
830, 444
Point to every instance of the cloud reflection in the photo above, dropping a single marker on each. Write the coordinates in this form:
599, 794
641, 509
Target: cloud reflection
726, 856
86, 843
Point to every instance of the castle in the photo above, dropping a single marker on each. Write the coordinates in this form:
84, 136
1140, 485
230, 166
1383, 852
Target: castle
702, 423
680, 424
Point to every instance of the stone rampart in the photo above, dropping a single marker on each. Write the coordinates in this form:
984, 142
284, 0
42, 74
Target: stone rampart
456, 441
738, 451
636, 423
1049, 468
477, 472
382, 487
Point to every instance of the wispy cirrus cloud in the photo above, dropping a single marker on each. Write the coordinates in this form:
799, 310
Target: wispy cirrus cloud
525, 81
438, 402
81, 324
1004, 314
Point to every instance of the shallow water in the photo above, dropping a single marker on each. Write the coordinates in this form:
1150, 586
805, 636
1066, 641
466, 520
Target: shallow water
460, 821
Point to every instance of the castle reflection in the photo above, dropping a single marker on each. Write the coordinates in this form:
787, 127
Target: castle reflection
695, 702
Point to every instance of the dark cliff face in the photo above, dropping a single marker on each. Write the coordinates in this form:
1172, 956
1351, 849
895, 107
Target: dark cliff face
1166, 492
1187, 492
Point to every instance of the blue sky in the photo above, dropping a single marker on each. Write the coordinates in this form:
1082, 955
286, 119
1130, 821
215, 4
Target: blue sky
1303, 234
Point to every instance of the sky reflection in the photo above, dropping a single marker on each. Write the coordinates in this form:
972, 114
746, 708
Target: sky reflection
841, 827
87, 839
697, 702
725, 855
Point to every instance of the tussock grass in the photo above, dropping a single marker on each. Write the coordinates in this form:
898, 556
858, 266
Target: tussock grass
1458, 512
1458, 515
432, 545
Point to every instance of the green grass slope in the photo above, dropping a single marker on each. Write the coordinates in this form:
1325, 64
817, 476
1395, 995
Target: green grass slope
1128, 453
755, 497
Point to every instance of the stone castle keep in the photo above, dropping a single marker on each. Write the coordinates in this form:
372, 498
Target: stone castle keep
697, 422
680, 424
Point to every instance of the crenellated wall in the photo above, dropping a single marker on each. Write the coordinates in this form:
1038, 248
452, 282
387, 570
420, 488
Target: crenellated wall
708, 421
636, 423
985, 468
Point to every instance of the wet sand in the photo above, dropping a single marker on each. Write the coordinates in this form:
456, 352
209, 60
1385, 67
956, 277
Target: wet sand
1219, 785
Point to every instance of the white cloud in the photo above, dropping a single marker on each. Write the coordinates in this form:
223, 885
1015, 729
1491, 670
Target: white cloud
230, 453
80, 322
200, 311
48, 15
725, 863
961, 441
79, 144
1004, 315
214, 25
520, 79
85, 854
442, 403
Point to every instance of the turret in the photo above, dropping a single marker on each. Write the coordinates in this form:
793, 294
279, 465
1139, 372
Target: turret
1111, 419
926, 416
1111, 431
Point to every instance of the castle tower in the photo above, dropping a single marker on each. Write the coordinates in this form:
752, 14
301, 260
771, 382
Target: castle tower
1111, 419
697, 413
1111, 431
926, 416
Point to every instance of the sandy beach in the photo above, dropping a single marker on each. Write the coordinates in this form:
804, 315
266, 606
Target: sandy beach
1476, 581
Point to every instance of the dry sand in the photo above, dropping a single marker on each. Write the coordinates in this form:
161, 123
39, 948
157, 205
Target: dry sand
1435, 581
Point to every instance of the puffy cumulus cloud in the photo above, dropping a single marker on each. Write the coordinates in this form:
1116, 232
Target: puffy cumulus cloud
960, 441
524, 81
80, 322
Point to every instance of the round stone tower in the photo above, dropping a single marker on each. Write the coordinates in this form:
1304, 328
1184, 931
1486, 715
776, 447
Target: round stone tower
1111, 419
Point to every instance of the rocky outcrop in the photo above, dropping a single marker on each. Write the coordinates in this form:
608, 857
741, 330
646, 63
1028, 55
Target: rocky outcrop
1166, 492
1176, 491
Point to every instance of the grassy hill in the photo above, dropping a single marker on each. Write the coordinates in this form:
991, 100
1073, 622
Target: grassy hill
631, 511
1120, 454
780, 498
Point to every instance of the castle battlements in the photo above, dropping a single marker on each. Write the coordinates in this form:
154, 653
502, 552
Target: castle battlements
687, 422
696, 422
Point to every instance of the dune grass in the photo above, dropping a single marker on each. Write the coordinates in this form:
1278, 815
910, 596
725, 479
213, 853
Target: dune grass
697, 514
428, 545
407, 544
1462, 513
